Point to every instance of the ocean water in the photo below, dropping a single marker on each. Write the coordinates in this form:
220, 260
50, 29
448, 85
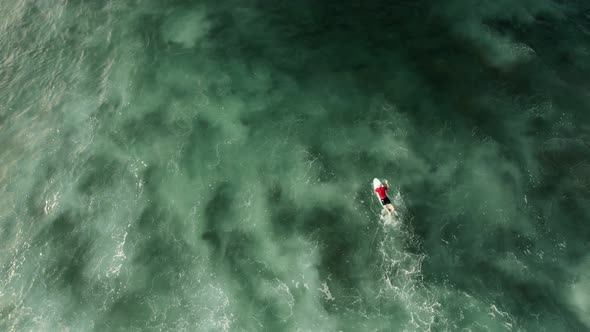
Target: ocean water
207, 165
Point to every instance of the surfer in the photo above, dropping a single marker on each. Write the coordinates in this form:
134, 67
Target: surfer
382, 193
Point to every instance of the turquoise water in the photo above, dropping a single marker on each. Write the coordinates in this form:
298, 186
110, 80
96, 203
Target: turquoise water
207, 166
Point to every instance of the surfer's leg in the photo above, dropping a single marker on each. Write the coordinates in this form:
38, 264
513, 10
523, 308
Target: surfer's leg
391, 209
387, 205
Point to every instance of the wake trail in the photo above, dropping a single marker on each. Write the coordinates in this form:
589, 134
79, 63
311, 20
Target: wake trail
399, 272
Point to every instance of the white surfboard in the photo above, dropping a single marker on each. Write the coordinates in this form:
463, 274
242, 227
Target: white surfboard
376, 183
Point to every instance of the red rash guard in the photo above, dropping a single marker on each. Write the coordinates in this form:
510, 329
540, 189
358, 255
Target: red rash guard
381, 192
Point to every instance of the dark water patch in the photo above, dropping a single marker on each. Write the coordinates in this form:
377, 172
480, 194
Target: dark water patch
219, 220
67, 250
98, 174
130, 311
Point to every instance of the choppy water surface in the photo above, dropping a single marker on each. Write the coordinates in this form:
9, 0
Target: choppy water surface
206, 165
